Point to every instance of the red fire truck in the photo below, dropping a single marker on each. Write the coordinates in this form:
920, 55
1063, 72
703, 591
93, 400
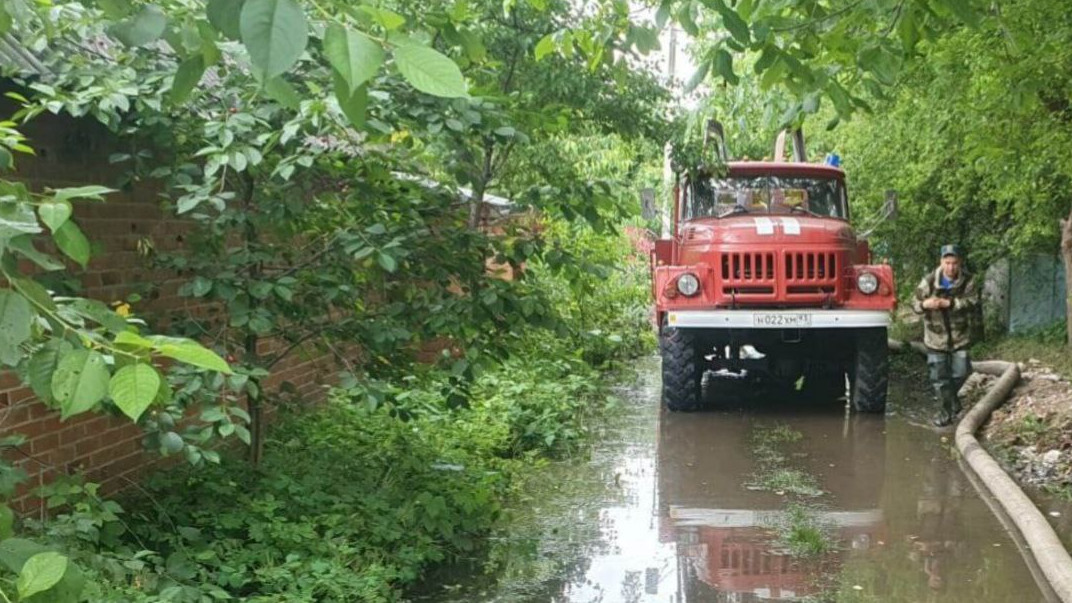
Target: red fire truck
764, 278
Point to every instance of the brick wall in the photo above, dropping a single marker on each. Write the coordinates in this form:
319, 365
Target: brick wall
108, 449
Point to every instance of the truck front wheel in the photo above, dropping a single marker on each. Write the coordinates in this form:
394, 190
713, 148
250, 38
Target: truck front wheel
683, 369
869, 376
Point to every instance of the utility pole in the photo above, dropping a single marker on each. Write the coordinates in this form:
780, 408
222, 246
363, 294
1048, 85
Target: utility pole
668, 172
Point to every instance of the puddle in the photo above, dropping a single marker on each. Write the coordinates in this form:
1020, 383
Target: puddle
663, 511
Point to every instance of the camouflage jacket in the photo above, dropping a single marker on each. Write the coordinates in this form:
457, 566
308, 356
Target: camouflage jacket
949, 329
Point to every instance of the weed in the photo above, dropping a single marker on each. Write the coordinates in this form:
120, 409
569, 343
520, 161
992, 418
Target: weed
803, 532
787, 481
1031, 427
774, 474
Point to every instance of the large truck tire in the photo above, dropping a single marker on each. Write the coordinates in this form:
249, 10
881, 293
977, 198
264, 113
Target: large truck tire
870, 372
683, 369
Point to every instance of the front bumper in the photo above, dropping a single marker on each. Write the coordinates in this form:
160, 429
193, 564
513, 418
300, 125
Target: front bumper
777, 319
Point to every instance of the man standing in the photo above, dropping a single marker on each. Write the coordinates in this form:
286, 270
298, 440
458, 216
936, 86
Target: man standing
946, 299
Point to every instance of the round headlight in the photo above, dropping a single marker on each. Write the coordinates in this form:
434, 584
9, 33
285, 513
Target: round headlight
867, 283
688, 284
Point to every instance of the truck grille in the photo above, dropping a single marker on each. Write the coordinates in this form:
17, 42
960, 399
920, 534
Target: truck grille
745, 273
747, 267
810, 267
799, 276
811, 272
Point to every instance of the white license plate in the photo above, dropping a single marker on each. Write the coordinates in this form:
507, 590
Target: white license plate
799, 320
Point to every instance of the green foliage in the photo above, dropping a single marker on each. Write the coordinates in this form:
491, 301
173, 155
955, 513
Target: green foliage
974, 140
263, 140
846, 54
355, 500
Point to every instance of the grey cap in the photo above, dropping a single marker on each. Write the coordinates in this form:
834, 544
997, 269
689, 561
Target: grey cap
950, 250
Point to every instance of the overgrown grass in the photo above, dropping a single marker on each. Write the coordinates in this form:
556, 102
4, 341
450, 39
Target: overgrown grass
787, 481
1021, 348
803, 532
774, 474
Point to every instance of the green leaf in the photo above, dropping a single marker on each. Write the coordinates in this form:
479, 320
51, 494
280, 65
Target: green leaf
42, 366
663, 14
72, 242
724, 66
40, 573
187, 76
172, 442
225, 16
789, 116
133, 389
387, 19
7, 522
353, 106
243, 434
275, 33
811, 102
14, 552
733, 22
544, 47
23, 245
143, 28
280, 90
430, 72
99, 313
194, 354
353, 55
80, 381
132, 339
16, 219
687, 19
54, 215
16, 317
82, 192
387, 262
5, 20
883, 64
115, 9
767, 57
35, 293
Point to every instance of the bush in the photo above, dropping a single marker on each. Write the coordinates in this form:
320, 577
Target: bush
356, 500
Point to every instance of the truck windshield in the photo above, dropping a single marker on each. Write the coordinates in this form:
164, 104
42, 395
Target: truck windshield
766, 194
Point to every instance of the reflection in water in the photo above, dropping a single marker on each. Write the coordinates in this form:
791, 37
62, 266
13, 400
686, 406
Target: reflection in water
673, 522
909, 526
724, 532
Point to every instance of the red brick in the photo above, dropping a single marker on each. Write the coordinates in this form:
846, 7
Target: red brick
45, 443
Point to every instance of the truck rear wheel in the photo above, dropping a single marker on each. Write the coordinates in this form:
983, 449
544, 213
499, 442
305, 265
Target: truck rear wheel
869, 377
683, 369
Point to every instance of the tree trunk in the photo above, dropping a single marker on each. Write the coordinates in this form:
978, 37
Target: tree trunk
1066, 257
476, 206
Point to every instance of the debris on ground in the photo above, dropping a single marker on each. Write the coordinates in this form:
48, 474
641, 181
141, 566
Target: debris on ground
1032, 432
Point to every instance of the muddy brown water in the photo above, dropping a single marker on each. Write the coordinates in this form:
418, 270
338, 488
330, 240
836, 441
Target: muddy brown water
665, 510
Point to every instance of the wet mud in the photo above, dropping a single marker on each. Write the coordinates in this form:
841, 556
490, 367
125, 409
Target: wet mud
675, 507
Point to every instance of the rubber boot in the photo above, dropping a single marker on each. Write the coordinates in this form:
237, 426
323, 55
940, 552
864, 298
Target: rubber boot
946, 415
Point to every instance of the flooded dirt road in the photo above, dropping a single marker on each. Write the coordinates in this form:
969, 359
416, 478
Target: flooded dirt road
776, 502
